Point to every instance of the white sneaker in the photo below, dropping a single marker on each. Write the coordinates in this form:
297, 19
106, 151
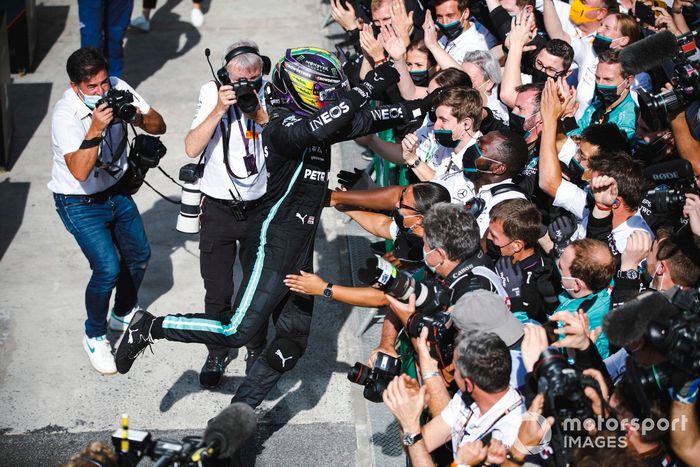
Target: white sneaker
197, 17
120, 323
100, 353
141, 23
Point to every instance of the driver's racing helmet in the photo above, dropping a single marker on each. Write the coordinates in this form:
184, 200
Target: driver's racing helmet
306, 79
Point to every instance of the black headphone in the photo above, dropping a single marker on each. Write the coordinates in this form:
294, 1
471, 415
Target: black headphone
222, 74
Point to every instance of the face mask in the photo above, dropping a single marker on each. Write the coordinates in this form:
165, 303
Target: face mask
91, 101
432, 116
425, 260
602, 43
257, 84
607, 94
399, 219
419, 77
575, 170
538, 76
473, 153
444, 138
451, 30
493, 250
569, 290
516, 123
578, 11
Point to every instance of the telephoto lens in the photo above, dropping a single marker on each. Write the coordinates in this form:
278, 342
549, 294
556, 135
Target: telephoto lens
188, 218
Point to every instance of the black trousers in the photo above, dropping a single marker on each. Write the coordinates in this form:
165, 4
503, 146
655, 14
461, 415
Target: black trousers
273, 250
218, 238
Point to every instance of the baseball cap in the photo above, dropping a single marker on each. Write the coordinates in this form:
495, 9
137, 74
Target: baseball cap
482, 310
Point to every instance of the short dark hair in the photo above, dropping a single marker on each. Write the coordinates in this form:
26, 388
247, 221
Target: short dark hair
678, 251
85, 63
484, 358
419, 45
461, 4
427, 194
464, 101
593, 263
612, 56
626, 172
454, 229
521, 220
538, 87
561, 49
511, 150
606, 136
452, 77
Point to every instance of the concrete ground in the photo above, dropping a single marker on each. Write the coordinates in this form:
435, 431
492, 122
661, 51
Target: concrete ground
53, 402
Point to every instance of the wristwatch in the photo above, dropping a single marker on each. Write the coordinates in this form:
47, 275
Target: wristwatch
409, 439
415, 164
631, 274
328, 291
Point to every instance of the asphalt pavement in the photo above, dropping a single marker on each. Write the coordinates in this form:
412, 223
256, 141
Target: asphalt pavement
53, 402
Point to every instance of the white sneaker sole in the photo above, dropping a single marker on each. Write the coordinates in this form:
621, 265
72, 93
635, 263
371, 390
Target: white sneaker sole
104, 372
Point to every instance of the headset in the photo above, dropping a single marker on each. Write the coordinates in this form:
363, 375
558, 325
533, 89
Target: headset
222, 74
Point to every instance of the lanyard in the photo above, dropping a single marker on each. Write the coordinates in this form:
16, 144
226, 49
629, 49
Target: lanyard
514, 406
248, 159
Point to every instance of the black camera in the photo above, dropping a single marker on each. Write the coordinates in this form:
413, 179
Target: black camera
671, 181
563, 387
120, 101
383, 275
246, 95
441, 334
375, 380
679, 336
145, 153
686, 88
190, 173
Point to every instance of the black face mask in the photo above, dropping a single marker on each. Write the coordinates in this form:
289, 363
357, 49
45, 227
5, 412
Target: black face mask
516, 123
606, 94
601, 44
420, 77
451, 30
575, 170
492, 250
444, 138
432, 116
538, 76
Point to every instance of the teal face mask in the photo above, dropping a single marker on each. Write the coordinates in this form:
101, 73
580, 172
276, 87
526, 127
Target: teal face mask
91, 101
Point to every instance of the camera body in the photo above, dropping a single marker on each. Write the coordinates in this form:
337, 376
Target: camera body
563, 387
120, 101
441, 334
679, 337
376, 379
145, 153
165, 451
246, 96
655, 108
381, 274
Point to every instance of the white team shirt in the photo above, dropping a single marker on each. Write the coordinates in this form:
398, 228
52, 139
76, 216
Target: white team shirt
70, 122
439, 158
462, 190
469, 424
469, 40
216, 181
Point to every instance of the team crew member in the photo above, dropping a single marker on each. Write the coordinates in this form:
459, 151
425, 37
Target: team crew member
89, 161
310, 110
233, 184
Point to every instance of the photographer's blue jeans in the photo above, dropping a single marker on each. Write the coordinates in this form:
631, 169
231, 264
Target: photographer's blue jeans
111, 235
103, 24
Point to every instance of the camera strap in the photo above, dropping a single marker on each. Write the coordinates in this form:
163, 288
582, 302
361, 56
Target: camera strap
226, 139
110, 167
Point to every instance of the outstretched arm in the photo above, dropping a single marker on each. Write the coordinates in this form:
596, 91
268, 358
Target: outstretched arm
379, 199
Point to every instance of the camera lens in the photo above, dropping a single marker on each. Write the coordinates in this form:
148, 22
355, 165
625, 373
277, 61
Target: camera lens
126, 112
359, 373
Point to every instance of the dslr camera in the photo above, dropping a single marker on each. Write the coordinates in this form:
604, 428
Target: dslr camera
686, 85
381, 274
375, 380
441, 334
145, 153
672, 180
246, 91
563, 387
120, 101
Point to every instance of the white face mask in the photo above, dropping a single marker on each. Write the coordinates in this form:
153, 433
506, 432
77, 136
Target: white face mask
425, 260
568, 289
